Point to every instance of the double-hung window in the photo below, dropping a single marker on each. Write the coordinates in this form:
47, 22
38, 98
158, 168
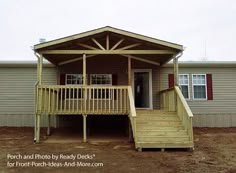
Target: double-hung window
101, 79
184, 85
104, 80
74, 79
199, 86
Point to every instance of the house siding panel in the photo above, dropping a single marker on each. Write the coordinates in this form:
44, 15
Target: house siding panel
17, 94
218, 112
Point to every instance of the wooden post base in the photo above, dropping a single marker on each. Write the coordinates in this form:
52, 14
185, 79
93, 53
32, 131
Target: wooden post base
84, 128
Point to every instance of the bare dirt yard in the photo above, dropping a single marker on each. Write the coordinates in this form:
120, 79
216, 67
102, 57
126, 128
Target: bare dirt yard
215, 151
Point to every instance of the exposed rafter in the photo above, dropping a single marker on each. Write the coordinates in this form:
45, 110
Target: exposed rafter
92, 52
129, 46
87, 46
117, 44
98, 44
107, 42
74, 60
142, 59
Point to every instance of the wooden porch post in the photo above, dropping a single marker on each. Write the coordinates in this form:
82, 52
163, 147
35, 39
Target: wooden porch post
176, 72
129, 71
40, 70
85, 95
49, 125
129, 83
39, 98
84, 69
84, 128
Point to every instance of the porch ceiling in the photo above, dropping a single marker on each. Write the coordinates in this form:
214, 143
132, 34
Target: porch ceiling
110, 41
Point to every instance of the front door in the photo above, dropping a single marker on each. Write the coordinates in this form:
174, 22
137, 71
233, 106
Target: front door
142, 86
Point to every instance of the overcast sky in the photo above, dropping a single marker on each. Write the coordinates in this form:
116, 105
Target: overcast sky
207, 28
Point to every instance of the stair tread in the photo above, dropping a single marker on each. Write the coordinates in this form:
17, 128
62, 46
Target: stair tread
160, 128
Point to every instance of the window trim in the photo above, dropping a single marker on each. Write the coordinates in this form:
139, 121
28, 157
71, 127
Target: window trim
199, 85
186, 85
73, 74
90, 80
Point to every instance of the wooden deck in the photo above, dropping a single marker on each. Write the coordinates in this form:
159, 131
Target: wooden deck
170, 127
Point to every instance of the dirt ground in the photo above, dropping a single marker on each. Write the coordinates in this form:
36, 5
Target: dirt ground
215, 151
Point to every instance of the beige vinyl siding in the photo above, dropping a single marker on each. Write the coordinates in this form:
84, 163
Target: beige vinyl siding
219, 112
17, 94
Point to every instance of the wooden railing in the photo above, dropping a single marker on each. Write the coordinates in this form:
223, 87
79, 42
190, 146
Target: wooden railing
132, 113
173, 100
77, 99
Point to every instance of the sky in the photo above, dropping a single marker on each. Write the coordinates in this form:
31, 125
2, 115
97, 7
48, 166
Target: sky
206, 28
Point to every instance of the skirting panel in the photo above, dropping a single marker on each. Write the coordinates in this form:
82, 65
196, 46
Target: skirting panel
23, 120
214, 120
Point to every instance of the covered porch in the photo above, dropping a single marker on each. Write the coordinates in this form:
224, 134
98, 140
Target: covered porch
98, 73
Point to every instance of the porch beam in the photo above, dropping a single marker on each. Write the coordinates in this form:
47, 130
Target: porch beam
74, 60
107, 42
142, 59
129, 46
98, 44
117, 44
100, 52
87, 46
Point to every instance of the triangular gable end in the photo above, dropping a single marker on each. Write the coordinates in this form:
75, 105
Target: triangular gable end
110, 30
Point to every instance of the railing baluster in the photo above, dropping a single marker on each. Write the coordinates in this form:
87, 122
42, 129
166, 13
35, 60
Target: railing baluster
117, 100
77, 99
113, 99
69, 95
65, 100
105, 100
73, 99
109, 100
53, 100
57, 100
89, 98
82, 99
92, 97
46, 99
61, 98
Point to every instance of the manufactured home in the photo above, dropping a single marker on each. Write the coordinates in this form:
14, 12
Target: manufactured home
110, 72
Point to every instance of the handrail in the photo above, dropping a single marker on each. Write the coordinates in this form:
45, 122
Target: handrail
182, 99
131, 102
173, 100
166, 90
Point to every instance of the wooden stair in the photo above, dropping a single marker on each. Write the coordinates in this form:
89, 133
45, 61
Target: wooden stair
160, 129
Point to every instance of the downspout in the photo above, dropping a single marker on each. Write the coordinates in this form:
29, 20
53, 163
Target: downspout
36, 96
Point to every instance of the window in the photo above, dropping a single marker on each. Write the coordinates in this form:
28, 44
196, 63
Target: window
101, 79
184, 84
74, 79
199, 86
